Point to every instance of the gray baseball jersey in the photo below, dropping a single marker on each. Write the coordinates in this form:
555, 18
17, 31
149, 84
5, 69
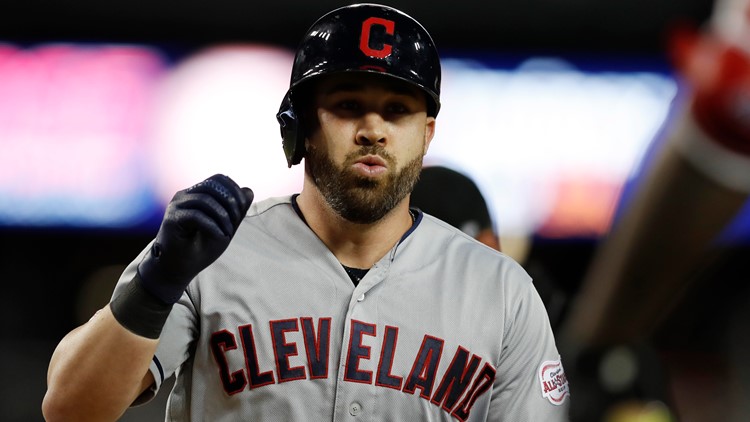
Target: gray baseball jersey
442, 328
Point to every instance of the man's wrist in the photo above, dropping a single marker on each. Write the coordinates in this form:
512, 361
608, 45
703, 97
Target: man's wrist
139, 311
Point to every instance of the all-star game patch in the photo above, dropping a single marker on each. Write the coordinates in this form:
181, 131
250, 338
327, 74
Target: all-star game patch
553, 381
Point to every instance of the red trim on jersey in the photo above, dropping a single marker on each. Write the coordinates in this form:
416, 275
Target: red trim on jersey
351, 369
390, 340
445, 396
481, 385
422, 374
320, 356
283, 350
221, 342
257, 379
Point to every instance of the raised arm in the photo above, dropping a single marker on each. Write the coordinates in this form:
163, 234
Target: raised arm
100, 368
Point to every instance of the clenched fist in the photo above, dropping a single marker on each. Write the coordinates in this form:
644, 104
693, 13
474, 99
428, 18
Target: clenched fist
198, 225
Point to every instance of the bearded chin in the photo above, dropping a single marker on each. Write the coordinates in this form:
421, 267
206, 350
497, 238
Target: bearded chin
358, 199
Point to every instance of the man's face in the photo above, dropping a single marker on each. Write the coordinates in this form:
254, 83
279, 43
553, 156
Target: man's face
366, 143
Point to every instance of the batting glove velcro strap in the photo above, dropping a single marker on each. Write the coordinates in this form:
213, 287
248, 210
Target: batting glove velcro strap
139, 311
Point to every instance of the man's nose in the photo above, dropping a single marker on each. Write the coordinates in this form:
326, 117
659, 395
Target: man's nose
371, 130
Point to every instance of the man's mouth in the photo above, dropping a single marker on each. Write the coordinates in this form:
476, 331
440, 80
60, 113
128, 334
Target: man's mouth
370, 165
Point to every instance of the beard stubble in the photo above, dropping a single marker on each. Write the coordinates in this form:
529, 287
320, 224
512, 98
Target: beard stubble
356, 198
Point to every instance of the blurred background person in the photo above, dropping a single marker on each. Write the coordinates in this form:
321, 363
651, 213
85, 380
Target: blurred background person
671, 230
454, 198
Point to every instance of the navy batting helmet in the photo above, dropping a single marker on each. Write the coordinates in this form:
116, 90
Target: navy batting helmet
369, 38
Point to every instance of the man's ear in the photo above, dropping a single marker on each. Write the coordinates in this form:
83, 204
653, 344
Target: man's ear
429, 133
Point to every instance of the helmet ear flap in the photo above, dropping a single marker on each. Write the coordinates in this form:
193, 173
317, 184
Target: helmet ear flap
292, 135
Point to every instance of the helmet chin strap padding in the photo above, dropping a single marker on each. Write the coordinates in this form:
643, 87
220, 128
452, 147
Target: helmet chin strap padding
364, 38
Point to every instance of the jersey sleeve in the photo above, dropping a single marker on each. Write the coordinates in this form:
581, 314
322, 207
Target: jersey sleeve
178, 334
530, 383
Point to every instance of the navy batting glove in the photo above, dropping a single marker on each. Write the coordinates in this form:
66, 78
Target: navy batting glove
197, 227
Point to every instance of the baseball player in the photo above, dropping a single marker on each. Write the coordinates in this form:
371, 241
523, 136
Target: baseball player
339, 303
467, 209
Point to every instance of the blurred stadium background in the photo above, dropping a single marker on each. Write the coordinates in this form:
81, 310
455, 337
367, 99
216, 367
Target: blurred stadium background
106, 109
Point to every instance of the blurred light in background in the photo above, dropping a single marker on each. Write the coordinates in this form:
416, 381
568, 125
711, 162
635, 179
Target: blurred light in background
549, 145
102, 136
74, 133
217, 114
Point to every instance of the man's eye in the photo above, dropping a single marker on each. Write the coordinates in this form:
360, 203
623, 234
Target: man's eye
348, 105
397, 108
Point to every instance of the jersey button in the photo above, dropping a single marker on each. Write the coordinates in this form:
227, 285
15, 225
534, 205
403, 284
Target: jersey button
355, 409
361, 298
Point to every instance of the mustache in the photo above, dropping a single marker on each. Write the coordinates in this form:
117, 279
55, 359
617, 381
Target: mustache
370, 150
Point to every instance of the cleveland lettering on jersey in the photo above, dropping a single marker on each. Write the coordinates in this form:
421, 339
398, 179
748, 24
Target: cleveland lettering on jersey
455, 392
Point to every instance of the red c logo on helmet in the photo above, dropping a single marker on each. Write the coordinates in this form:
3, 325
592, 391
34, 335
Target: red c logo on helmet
364, 39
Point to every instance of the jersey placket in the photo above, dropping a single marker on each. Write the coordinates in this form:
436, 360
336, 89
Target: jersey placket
355, 396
